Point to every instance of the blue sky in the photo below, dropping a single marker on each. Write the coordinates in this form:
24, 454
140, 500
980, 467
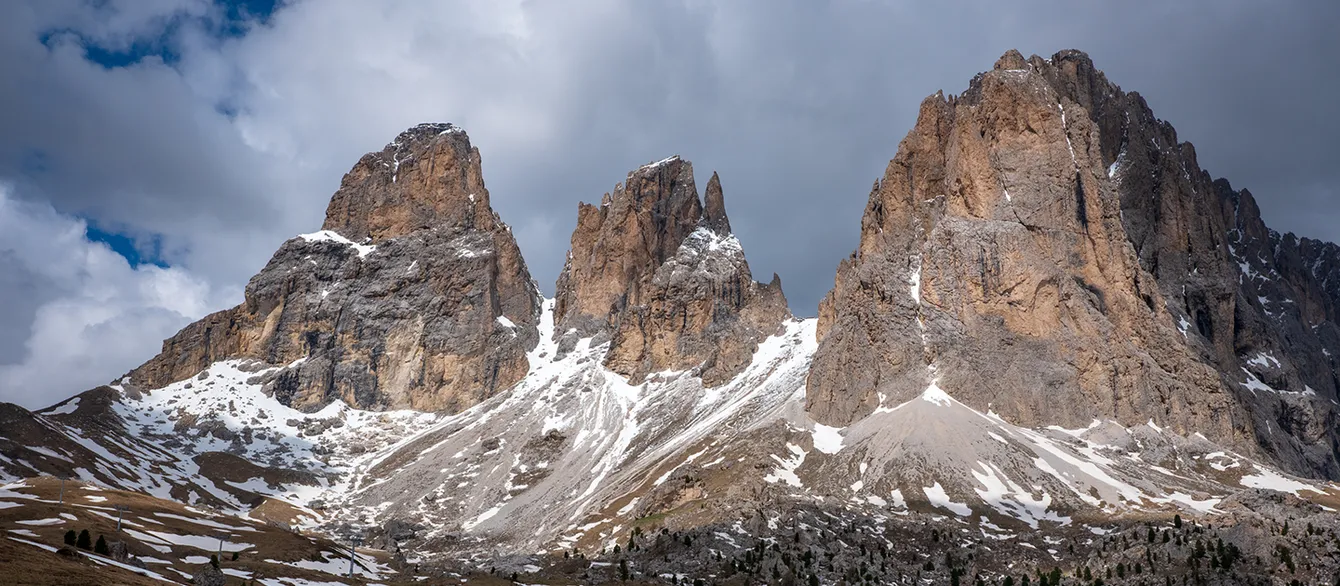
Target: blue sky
233, 19
154, 154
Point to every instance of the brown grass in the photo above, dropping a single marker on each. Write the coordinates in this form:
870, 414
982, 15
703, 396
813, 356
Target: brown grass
24, 564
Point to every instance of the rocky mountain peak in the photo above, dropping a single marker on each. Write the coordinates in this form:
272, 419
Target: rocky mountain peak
622, 242
1044, 247
662, 277
414, 294
1056, 328
994, 260
1012, 59
714, 209
428, 176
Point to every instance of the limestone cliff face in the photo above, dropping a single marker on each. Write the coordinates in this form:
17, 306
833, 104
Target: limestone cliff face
1283, 341
1046, 248
414, 295
993, 257
662, 277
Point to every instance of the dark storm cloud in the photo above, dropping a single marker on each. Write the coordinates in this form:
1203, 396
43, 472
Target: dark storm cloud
237, 143
800, 110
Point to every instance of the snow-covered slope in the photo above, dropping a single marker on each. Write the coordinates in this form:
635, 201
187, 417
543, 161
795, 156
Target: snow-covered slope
574, 456
535, 463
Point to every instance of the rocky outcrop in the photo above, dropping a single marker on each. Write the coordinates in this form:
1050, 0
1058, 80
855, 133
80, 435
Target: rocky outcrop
414, 295
1283, 342
994, 258
208, 575
662, 277
1046, 248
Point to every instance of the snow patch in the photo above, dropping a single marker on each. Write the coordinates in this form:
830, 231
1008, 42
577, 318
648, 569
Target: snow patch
935, 394
827, 439
936, 496
1272, 480
331, 236
1007, 497
65, 408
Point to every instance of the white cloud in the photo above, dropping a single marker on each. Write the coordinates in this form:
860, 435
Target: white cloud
99, 315
238, 144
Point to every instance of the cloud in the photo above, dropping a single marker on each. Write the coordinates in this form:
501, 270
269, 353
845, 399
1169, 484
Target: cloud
91, 314
218, 141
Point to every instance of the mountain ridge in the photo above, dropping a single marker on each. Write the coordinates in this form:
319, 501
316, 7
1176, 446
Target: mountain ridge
1055, 325
1084, 248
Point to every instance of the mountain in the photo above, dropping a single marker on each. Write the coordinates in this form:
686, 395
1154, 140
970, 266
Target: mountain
413, 295
1059, 345
663, 277
1043, 235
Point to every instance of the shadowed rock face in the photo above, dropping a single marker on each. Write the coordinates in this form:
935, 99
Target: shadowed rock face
663, 278
1045, 248
414, 295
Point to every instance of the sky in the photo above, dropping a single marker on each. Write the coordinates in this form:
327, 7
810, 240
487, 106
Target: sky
155, 153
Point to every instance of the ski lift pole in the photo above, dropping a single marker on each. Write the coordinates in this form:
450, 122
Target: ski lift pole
120, 509
354, 542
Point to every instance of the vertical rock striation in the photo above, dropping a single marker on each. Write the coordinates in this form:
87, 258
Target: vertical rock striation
414, 294
662, 277
1045, 248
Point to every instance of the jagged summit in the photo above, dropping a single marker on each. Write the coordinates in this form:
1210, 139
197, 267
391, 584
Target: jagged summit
714, 209
414, 294
428, 176
665, 279
1056, 334
1011, 60
1050, 247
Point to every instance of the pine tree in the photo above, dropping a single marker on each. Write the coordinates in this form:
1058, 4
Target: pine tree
1177, 521
70, 537
214, 560
84, 541
100, 547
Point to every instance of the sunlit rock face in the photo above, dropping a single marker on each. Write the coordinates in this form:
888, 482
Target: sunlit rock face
663, 278
413, 295
1045, 248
